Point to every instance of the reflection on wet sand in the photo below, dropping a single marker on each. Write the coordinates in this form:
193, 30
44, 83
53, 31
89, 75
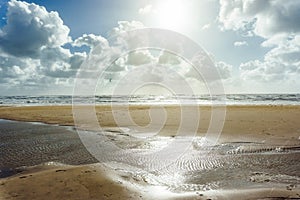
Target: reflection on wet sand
256, 157
199, 168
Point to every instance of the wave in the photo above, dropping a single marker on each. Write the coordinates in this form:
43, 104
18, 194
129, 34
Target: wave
230, 99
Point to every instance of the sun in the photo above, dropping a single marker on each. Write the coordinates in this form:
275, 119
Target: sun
172, 14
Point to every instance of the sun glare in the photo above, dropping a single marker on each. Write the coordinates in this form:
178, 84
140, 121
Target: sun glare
171, 14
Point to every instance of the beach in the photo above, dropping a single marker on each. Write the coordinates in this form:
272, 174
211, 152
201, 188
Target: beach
150, 100
275, 129
271, 123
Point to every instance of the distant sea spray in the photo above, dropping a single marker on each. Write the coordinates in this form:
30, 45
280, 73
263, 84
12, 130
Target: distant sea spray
230, 99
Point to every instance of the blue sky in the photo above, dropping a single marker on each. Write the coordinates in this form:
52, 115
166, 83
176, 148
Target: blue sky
255, 44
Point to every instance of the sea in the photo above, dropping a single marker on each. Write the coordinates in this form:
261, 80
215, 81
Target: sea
229, 99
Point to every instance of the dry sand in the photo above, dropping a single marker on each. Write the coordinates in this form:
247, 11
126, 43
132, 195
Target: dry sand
271, 124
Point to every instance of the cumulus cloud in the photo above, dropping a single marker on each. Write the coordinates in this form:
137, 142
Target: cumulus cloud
9, 64
112, 57
209, 70
30, 28
146, 10
121, 36
124, 26
33, 54
240, 43
90, 40
115, 67
143, 66
275, 21
264, 18
139, 58
168, 58
225, 70
280, 63
265, 71
105, 55
76, 60
206, 26
31, 48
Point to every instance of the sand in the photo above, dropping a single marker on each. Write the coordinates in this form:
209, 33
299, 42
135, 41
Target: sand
98, 182
68, 182
268, 124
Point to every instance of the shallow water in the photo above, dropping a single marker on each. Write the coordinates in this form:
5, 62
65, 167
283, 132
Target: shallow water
147, 159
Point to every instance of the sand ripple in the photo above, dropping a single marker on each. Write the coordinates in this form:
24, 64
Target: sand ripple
200, 167
203, 167
25, 144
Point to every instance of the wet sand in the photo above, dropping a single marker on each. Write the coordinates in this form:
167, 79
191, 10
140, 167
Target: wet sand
97, 182
67, 182
271, 125
29, 144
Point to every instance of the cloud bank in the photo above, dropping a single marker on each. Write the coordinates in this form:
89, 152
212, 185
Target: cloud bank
35, 55
277, 22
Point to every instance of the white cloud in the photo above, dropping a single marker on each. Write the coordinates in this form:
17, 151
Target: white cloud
30, 28
42, 62
124, 26
264, 18
209, 70
11, 67
115, 67
275, 21
133, 41
31, 48
146, 10
225, 70
280, 63
139, 58
240, 43
90, 40
142, 66
206, 26
168, 58
105, 55
76, 60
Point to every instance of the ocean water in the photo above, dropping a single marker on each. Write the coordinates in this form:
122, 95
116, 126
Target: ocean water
230, 99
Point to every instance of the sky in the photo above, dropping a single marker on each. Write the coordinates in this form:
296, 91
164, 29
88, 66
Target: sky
254, 44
